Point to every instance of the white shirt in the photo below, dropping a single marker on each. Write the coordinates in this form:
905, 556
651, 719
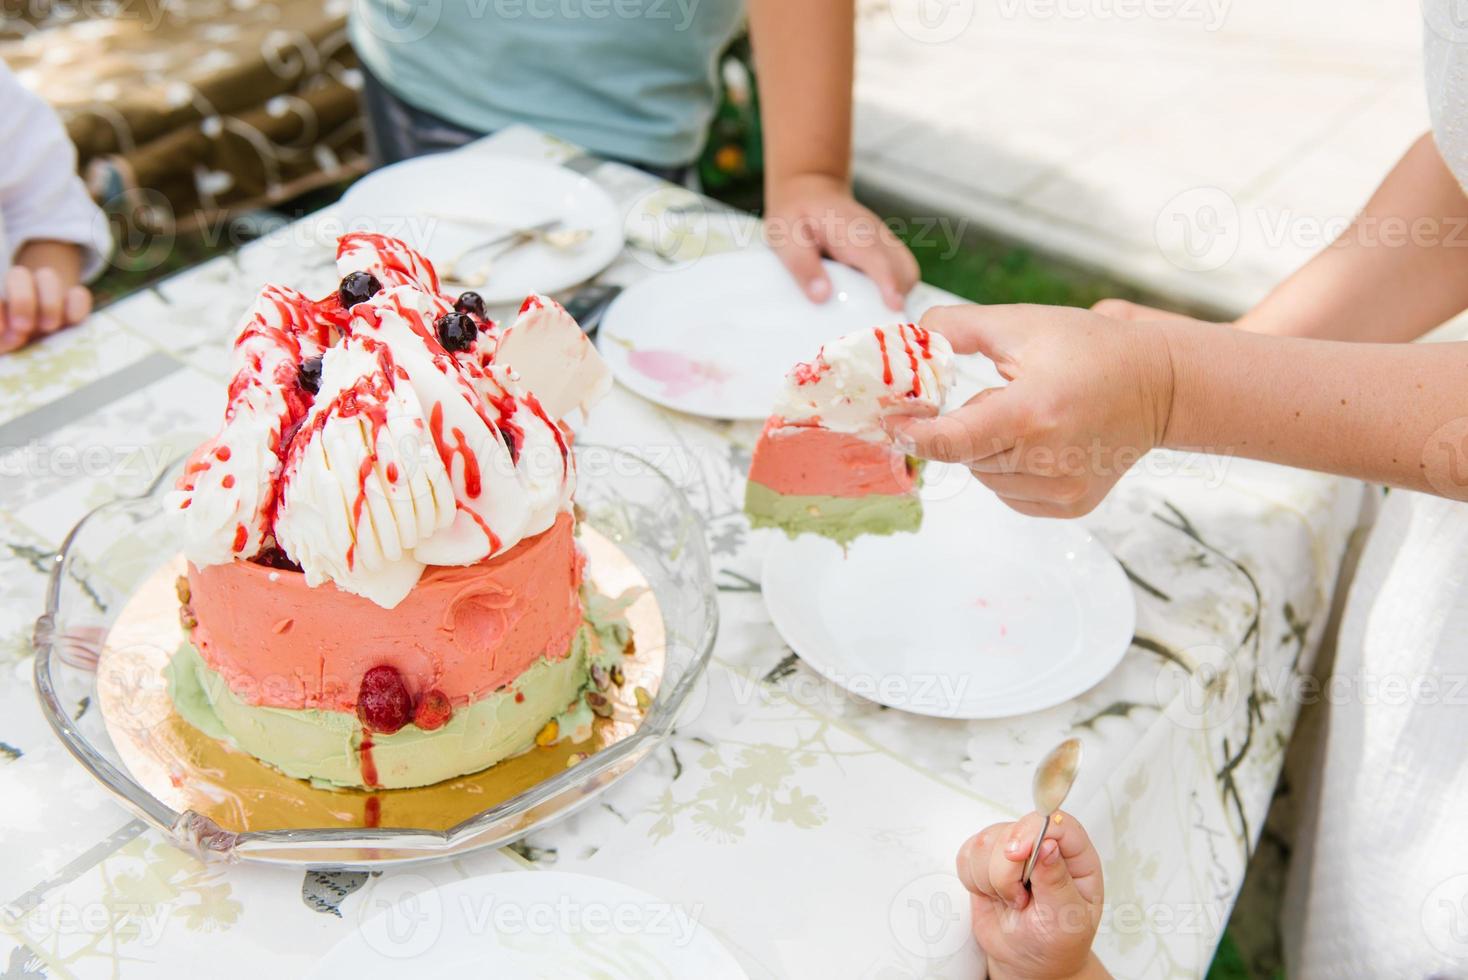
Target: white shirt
1379, 874
41, 196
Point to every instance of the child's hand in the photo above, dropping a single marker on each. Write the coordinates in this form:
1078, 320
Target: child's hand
43, 293
814, 214
1044, 935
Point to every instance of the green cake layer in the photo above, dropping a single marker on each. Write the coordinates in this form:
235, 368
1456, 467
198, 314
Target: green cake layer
842, 519
324, 746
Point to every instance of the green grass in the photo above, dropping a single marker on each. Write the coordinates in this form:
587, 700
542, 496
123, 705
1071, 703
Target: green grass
991, 272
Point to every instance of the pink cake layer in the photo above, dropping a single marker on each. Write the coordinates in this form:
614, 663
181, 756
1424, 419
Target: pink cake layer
806, 460
463, 631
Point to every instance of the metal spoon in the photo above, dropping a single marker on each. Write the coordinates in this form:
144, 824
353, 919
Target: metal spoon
1054, 777
512, 237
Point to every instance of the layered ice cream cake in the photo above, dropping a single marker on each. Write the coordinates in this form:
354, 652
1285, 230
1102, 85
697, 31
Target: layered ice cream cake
824, 464
384, 587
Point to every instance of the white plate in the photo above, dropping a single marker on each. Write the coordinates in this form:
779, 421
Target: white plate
524, 924
983, 613
417, 201
716, 338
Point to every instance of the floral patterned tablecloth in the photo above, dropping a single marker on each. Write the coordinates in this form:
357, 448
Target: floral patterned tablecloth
812, 831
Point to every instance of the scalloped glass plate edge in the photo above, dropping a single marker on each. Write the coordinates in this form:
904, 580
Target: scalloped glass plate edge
690, 646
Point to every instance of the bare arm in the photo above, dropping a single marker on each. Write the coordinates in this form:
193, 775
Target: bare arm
1396, 272
1090, 395
805, 51
1394, 414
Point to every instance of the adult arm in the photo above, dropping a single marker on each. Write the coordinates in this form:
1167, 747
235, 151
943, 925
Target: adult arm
1090, 395
1395, 273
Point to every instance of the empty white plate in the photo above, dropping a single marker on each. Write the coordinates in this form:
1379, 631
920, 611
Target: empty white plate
444, 203
715, 338
983, 613
525, 924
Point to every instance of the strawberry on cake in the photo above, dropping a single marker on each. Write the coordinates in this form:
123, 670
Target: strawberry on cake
384, 587
823, 463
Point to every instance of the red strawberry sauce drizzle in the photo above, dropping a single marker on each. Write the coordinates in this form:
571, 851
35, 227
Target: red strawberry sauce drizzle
540, 413
886, 361
372, 812
452, 368
461, 447
514, 435
369, 765
393, 256
321, 323
912, 362
806, 374
472, 485
925, 341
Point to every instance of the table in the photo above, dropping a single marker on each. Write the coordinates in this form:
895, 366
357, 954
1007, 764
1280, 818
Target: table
812, 831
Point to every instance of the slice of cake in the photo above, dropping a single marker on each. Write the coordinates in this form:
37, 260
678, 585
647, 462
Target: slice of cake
384, 587
824, 464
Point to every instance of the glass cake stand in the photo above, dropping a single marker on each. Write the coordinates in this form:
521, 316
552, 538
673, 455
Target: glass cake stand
113, 554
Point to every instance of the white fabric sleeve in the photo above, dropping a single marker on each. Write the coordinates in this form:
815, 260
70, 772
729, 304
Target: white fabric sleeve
41, 196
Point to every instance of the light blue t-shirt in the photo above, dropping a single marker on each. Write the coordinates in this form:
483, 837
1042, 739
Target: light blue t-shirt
635, 79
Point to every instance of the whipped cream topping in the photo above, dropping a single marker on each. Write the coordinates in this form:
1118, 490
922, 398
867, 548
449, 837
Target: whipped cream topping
855, 381
407, 454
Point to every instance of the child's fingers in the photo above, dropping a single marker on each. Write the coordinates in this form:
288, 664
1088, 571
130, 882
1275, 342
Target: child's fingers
1083, 863
20, 303
78, 304
1051, 878
973, 859
1007, 864
49, 299
1081, 858
8, 342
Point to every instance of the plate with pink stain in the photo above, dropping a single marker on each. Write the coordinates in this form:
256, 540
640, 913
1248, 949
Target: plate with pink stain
715, 338
982, 613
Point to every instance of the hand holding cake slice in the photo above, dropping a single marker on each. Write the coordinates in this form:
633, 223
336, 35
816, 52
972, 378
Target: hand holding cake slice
824, 464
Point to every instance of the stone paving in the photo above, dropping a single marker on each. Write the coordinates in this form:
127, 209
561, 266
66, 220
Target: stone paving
1200, 148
